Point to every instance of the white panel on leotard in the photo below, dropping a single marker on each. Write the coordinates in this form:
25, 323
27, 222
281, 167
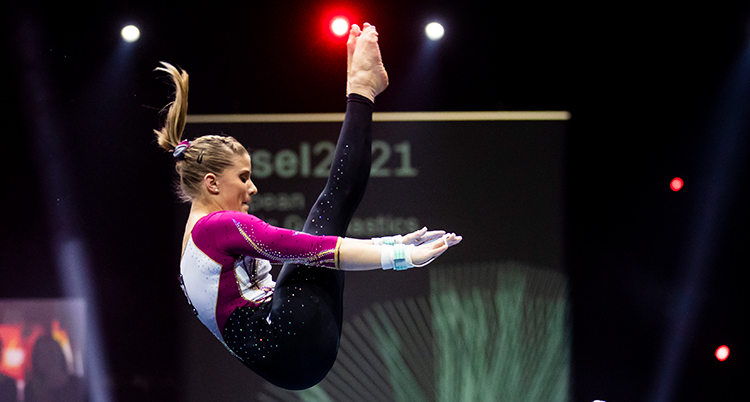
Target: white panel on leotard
201, 274
253, 278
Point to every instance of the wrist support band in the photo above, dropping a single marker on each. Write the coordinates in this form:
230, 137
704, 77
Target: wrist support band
396, 257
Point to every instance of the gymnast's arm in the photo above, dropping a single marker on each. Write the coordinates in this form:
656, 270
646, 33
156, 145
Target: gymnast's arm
243, 234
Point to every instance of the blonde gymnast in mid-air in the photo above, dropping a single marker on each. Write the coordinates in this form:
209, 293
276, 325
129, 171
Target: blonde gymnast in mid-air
288, 332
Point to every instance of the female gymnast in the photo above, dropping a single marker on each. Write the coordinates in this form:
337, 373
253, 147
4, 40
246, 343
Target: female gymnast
288, 332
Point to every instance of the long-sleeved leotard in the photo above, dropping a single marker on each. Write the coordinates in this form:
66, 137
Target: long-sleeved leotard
287, 332
226, 263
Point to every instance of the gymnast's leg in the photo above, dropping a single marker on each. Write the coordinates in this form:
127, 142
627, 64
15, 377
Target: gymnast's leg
336, 204
293, 340
306, 309
295, 343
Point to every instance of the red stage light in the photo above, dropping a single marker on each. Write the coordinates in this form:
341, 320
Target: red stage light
676, 184
722, 353
340, 26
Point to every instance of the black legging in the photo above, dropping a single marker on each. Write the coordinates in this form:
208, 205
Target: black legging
292, 341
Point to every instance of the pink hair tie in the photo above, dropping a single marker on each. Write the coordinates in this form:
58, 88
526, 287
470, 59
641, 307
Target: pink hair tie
179, 150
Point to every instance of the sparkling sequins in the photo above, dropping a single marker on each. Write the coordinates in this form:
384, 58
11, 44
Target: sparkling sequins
266, 248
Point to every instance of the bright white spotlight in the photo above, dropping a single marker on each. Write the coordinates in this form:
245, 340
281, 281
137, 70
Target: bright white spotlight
434, 31
339, 26
130, 33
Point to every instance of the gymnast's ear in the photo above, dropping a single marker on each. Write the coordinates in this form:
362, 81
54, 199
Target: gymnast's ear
210, 183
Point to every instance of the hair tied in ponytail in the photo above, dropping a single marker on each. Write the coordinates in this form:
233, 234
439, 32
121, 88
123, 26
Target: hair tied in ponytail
179, 150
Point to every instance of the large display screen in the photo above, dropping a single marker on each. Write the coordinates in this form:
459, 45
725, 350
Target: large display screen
490, 309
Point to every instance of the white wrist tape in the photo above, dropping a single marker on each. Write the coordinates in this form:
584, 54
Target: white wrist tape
390, 240
396, 257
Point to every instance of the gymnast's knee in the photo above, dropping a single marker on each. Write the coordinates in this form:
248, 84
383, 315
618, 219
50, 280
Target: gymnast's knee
304, 370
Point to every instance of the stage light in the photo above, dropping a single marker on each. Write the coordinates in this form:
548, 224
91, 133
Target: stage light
340, 26
434, 31
13, 357
676, 184
130, 33
722, 353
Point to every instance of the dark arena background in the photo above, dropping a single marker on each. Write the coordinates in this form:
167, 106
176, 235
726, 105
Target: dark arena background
592, 156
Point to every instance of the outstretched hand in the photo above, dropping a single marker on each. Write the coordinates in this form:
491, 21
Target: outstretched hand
425, 253
366, 74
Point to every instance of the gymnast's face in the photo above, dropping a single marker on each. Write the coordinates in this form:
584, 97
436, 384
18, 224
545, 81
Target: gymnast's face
233, 186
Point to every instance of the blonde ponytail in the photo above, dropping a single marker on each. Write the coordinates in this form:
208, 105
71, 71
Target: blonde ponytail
170, 134
194, 159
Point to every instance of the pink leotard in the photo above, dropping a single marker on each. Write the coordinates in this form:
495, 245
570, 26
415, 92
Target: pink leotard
226, 263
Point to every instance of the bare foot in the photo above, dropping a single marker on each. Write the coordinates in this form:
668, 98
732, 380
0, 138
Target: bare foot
367, 75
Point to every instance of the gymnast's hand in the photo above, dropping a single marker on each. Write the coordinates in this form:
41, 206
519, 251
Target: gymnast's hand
366, 74
425, 253
422, 236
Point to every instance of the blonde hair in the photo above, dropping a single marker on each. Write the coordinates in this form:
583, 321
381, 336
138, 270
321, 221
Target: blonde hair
205, 154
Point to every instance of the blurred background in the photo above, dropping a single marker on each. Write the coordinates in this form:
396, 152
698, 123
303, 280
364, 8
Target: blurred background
651, 276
